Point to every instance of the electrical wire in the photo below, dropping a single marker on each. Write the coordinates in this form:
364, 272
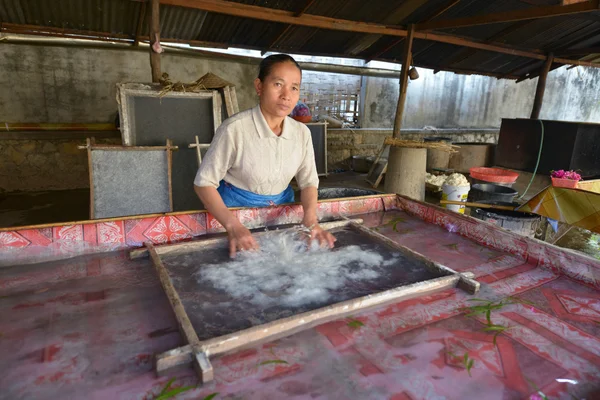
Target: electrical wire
537, 163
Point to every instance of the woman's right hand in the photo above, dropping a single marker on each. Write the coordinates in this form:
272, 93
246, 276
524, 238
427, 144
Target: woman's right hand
240, 239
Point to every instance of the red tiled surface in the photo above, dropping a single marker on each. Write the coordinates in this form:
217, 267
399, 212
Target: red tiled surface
67, 240
564, 261
88, 328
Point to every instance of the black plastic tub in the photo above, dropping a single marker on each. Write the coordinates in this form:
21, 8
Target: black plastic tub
519, 222
488, 191
338, 193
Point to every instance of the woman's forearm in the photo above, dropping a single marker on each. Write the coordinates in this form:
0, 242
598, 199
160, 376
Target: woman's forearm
308, 197
214, 204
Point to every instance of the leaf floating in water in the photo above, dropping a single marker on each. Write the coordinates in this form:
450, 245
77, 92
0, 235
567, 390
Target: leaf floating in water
452, 246
468, 363
211, 396
168, 393
273, 362
355, 324
394, 223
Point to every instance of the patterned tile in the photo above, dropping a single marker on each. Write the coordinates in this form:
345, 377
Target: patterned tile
13, 239
167, 230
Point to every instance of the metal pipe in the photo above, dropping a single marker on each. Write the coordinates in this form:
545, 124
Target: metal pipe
143, 47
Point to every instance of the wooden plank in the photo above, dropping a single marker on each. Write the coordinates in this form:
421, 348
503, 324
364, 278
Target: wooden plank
234, 100
228, 101
63, 32
282, 16
445, 7
396, 17
155, 40
204, 371
198, 146
448, 39
55, 135
140, 24
541, 88
89, 155
380, 177
463, 54
406, 61
510, 16
170, 171
118, 147
216, 109
470, 285
300, 322
316, 21
199, 244
281, 33
375, 182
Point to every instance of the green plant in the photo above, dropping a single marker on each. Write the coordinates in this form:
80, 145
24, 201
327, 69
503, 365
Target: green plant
468, 363
496, 328
273, 362
355, 324
394, 223
168, 393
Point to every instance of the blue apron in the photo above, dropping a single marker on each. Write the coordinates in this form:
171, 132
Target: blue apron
235, 197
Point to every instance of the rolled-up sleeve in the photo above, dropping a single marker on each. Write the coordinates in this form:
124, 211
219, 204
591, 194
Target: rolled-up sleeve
218, 159
307, 173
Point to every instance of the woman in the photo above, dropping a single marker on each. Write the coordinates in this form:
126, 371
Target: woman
256, 153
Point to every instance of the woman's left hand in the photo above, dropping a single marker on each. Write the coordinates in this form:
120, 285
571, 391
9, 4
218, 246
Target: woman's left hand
325, 238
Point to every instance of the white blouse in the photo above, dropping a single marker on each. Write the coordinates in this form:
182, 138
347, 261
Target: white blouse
247, 154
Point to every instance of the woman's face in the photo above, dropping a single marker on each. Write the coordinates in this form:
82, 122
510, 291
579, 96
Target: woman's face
280, 91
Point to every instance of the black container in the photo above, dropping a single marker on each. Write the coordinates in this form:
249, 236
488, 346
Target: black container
338, 193
519, 222
488, 191
566, 145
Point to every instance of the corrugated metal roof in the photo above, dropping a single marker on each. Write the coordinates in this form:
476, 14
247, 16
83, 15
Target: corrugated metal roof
120, 17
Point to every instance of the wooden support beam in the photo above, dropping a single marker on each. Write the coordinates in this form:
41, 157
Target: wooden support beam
463, 54
286, 17
510, 16
155, 48
406, 60
285, 30
445, 7
396, 17
64, 33
541, 87
579, 52
140, 24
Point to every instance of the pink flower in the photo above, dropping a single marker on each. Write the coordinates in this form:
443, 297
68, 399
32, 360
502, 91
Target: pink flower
562, 174
536, 396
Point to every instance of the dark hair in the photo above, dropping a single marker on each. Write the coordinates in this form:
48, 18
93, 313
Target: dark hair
267, 64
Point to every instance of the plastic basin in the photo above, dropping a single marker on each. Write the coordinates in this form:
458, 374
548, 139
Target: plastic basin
493, 175
488, 191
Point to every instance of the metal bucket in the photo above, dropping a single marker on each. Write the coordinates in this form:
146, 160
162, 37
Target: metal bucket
489, 191
519, 222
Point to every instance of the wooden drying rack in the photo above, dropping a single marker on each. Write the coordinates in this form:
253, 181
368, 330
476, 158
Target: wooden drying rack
198, 352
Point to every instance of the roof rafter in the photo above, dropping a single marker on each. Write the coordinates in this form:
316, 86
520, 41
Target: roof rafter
511, 16
445, 7
317, 21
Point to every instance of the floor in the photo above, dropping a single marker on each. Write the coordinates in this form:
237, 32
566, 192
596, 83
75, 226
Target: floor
88, 327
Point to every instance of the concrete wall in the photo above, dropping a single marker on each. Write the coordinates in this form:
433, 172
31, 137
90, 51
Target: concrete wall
78, 85
343, 144
448, 100
49, 164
